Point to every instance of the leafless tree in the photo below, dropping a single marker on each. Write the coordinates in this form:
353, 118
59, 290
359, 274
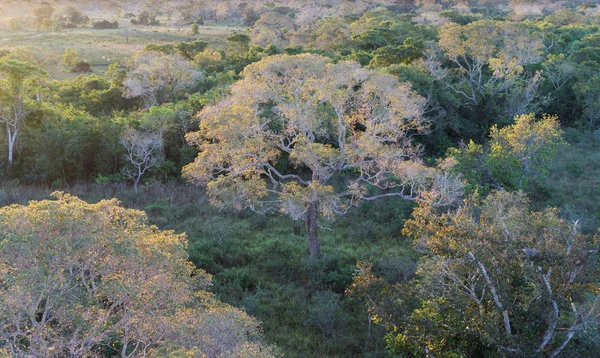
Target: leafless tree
142, 151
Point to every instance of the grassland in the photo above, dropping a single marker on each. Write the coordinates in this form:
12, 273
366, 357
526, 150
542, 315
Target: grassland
103, 47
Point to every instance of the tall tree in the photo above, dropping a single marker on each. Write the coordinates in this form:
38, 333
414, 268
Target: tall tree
15, 86
295, 125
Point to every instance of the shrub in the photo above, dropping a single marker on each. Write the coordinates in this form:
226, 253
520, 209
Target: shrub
81, 66
105, 25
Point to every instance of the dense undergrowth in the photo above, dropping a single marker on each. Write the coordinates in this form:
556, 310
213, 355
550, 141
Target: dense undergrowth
261, 263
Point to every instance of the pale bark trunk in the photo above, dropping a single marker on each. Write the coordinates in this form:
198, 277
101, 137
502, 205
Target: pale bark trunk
311, 230
554, 320
136, 182
11, 144
495, 296
557, 351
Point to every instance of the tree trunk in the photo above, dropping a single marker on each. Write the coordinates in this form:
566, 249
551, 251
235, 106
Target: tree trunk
311, 230
136, 182
11, 144
10, 154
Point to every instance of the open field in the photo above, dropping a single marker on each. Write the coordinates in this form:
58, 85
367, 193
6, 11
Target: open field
103, 47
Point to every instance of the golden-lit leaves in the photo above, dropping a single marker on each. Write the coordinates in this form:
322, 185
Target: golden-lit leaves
294, 198
293, 123
496, 253
74, 276
487, 56
529, 144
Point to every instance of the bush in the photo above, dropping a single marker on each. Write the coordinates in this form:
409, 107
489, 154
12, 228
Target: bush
145, 17
16, 24
81, 66
105, 25
71, 17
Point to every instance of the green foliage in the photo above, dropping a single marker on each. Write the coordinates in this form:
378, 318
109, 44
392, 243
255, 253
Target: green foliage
108, 179
81, 66
67, 144
496, 279
459, 17
524, 149
389, 55
187, 50
104, 24
159, 205
516, 154
471, 164
69, 139
93, 93
70, 58
70, 17
238, 45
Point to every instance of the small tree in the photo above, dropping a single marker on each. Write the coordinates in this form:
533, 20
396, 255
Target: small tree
43, 12
296, 124
524, 149
142, 152
587, 91
158, 120
195, 29
70, 58
238, 45
516, 153
71, 16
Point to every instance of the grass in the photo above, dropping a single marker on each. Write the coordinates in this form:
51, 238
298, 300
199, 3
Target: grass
573, 184
118, 45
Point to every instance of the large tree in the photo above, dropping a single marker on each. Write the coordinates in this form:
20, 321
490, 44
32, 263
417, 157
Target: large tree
95, 280
304, 136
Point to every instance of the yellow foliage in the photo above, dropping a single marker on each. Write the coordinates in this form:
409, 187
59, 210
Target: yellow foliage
98, 274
